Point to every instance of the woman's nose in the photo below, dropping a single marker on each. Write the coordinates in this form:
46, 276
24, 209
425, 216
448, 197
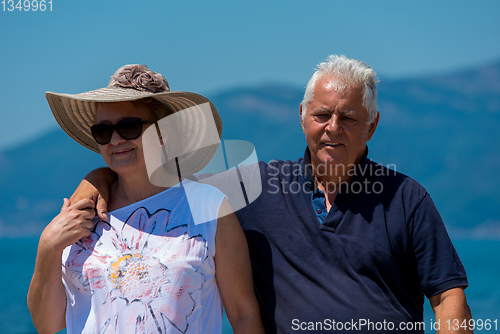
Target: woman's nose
116, 138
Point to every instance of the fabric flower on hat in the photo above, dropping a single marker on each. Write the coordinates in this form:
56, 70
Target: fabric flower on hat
140, 78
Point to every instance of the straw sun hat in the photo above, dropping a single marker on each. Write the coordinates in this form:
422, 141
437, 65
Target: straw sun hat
195, 116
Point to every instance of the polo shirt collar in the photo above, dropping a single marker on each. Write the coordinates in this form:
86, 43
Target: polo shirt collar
342, 200
307, 170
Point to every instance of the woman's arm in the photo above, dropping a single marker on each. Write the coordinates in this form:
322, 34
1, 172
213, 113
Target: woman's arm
46, 295
95, 186
234, 275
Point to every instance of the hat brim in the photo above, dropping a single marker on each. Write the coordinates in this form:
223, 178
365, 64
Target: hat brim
75, 114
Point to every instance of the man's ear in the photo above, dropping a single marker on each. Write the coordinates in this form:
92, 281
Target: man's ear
301, 119
373, 126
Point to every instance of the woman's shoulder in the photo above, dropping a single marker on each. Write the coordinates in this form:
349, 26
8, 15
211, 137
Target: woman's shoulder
201, 189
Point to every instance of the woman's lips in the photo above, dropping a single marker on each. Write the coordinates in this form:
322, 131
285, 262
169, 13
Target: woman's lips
122, 151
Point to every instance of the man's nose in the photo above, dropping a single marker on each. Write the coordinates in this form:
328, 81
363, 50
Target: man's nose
333, 124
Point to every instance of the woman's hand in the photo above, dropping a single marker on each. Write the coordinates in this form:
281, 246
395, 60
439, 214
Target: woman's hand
70, 225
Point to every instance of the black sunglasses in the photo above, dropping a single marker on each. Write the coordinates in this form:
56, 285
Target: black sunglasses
127, 128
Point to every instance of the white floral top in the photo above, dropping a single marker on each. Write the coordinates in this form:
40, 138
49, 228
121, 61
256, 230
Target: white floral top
150, 269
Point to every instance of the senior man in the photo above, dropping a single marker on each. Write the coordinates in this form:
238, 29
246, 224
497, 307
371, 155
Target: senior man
337, 241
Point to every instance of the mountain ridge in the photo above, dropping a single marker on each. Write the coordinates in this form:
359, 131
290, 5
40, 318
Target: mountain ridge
440, 130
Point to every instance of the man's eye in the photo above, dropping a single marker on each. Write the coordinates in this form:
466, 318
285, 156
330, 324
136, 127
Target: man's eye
322, 117
348, 119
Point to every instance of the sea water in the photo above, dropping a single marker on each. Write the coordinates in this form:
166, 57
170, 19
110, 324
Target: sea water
481, 259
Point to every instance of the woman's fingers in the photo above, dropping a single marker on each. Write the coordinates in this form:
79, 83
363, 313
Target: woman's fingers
102, 208
66, 203
73, 223
83, 204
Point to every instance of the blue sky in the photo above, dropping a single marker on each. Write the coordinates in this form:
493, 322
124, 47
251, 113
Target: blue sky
208, 46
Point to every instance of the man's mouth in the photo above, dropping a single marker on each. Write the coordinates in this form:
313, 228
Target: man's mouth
332, 144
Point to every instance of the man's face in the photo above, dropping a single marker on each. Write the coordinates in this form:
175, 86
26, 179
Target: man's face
336, 125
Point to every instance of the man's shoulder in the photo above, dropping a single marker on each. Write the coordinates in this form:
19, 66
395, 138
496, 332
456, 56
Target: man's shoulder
388, 172
277, 167
394, 182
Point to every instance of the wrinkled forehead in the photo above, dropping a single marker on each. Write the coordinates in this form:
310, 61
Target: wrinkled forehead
336, 88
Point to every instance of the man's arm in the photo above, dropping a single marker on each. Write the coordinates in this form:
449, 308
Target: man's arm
95, 186
234, 275
451, 310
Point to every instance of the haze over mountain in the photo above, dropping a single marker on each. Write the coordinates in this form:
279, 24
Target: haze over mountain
441, 130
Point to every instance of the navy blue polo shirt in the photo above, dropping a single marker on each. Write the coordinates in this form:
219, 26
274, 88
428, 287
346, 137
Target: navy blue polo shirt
381, 248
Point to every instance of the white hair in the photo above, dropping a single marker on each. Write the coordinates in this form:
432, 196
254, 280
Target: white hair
347, 73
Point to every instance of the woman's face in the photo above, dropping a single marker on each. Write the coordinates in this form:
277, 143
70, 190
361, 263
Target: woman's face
121, 155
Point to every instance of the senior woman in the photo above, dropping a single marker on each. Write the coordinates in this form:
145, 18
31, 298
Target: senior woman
170, 249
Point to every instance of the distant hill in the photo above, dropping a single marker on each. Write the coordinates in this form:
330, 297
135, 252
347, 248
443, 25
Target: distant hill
441, 130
